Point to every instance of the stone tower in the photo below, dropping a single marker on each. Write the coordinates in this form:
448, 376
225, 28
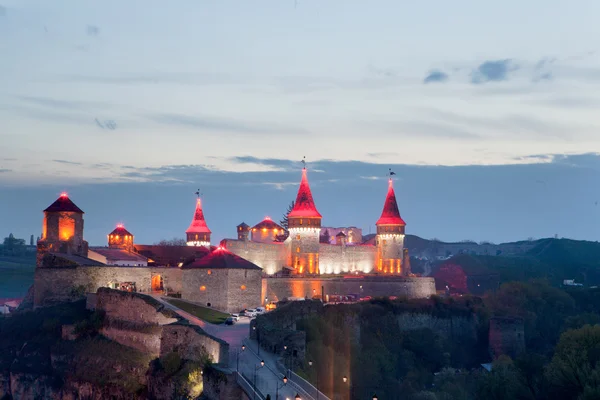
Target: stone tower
62, 230
120, 238
390, 237
242, 230
198, 233
304, 227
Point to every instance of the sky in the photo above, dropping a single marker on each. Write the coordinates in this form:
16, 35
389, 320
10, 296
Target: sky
487, 112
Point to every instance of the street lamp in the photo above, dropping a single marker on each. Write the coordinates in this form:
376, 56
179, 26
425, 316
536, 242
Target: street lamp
279, 387
310, 363
257, 338
238, 358
297, 397
374, 397
256, 367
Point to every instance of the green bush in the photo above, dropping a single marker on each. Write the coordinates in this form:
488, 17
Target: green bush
171, 362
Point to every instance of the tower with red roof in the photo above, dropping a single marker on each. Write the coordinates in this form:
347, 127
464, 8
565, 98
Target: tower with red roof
120, 238
62, 229
304, 226
390, 237
198, 234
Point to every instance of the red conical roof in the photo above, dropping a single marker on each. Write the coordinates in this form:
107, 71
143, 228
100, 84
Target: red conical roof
304, 205
121, 231
198, 224
390, 214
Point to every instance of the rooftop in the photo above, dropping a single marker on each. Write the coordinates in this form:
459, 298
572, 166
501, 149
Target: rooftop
221, 258
304, 206
63, 204
120, 231
118, 254
198, 224
390, 214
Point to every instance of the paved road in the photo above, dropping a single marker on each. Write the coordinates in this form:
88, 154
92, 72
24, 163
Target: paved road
267, 377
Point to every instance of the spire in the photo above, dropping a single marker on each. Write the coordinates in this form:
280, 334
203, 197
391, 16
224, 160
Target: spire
304, 205
390, 214
63, 204
198, 224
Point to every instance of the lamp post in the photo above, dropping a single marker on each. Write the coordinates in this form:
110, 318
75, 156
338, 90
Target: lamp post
297, 397
279, 387
257, 338
256, 367
238, 358
310, 363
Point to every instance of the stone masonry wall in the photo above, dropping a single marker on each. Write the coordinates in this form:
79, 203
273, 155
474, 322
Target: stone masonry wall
506, 336
271, 257
334, 259
204, 288
192, 343
124, 306
249, 297
279, 288
58, 284
451, 328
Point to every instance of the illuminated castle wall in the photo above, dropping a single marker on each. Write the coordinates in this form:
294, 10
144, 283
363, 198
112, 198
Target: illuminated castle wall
303, 254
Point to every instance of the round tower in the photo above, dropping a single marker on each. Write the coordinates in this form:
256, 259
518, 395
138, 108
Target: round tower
62, 229
304, 227
198, 233
120, 238
390, 237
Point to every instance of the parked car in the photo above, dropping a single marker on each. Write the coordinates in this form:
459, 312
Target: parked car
236, 317
230, 321
251, 313
260, 310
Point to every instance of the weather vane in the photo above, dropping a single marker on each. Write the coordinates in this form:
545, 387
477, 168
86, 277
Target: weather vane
198, 193
303, 161
390, 173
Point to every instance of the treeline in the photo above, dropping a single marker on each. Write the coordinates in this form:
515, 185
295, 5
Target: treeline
12, 246
562, 339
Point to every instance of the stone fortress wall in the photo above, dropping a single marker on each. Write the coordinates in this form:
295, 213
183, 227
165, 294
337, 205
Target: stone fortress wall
141, 322
229, 290
271, 257
54, 285
338, 259
276, 289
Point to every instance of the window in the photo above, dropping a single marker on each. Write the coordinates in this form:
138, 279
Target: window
300, 221
298, 237
209, 272
202, 288
243, 287
297, 249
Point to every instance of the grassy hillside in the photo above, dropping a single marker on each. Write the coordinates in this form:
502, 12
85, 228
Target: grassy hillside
16, 274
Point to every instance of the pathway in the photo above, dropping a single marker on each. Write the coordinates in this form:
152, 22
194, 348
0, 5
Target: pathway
267, 377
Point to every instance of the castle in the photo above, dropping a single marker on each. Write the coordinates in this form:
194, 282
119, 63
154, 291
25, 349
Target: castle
260, 265
305, 253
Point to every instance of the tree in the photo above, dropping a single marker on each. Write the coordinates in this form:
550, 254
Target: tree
284, 221
13, 244
31, 240
324, 238
172, 242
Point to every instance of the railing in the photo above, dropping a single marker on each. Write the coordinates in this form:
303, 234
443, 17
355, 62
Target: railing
306, 386
247, 387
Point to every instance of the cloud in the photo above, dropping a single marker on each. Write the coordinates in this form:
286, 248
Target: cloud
383, 154
421, 129
67, 162
108, 124
4, 170
381, 72
541, 70
271, 162
279, 185
436, 76
492, 71
51, 102
223, 124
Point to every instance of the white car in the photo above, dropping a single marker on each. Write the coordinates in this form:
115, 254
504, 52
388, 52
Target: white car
236, 317
260, 310
250, 313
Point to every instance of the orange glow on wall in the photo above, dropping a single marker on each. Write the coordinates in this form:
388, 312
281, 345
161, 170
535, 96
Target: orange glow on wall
156, 283
202, 288
66, 228
209, 272
243, 287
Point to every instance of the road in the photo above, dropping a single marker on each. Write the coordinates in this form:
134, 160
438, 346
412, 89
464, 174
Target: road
267, 377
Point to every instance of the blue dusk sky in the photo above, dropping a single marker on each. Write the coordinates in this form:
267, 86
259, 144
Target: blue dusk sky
488, 112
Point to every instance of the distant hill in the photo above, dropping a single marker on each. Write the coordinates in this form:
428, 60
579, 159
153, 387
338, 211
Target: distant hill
16, 274
552, 259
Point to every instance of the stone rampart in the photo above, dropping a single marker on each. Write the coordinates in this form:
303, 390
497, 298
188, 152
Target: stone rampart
278, 289
451, 328
53, 285
192, 343
271, 257
506, 336
336, 259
